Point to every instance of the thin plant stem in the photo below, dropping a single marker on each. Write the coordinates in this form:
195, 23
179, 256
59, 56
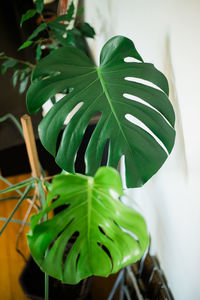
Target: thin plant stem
10, 184
134, 282
46, 286
24, 221
23, 62
19, 127
28, 188
10, 198
41, 193
14, 120
42, 201
116, 285
126, 291
14, 187
28, 199
15, 221
121, 295
48, 178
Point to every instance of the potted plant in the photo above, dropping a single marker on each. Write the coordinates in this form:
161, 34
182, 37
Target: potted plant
95, 233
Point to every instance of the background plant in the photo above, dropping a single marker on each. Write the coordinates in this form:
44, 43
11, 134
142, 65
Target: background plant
50, 34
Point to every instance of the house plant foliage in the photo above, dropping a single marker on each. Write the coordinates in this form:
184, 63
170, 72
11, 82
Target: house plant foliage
101, 89
94, 233
46, 37
107, 235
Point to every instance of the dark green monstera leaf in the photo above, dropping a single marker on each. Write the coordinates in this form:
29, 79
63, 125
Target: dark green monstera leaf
93, 234
108, 90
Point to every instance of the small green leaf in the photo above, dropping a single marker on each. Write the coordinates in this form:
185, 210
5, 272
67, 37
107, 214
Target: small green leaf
70, 12
15, 77
62, 18
9, 63
23, 85
60, 32
58, 27
40, 28
87, 30
39, 6
38, 52
22, 76
29, 14
25, 45
2, 54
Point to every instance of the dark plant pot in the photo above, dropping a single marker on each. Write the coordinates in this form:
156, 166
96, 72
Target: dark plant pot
32, 283
148, 279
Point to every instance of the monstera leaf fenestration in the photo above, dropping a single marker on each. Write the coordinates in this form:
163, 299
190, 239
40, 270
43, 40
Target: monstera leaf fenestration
107, 234
101, 89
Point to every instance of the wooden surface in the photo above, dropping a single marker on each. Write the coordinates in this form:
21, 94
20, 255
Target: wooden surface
11, 263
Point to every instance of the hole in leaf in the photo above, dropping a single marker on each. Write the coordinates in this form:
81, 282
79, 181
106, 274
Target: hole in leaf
103, 232
61, 208
143, 81
105, 249
55, 198
53, 242
140, 124
72, 113
80, 160
104, 158
137, 99
69, 245
129, 59
77, 260
46, 107
116, 223
59, 140
134, 236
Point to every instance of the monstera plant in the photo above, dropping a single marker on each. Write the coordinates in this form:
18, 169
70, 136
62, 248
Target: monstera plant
106, 234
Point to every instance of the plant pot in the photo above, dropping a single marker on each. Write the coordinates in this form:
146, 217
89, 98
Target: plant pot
146, 280
32, 283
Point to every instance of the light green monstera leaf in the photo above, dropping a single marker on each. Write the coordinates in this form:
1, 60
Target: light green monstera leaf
93, 234
113, 90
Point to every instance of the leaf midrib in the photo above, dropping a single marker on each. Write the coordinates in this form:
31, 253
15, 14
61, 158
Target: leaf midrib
111, 106
89, 194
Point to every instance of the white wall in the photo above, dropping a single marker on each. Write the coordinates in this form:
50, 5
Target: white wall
166, 33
